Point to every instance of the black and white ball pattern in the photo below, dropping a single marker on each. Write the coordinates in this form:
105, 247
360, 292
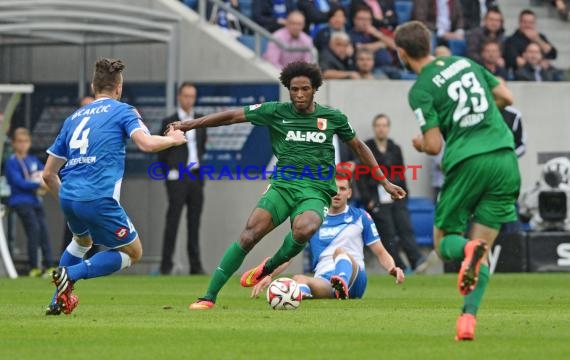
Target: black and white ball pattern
284, 294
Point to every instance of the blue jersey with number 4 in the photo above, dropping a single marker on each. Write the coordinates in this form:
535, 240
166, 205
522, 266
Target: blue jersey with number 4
92, 141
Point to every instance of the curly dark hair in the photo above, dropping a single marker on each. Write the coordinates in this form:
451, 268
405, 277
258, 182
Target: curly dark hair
107, 74
301, 68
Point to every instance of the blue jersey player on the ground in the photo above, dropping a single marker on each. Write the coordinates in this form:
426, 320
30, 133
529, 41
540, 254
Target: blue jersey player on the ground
90, 152
337, 249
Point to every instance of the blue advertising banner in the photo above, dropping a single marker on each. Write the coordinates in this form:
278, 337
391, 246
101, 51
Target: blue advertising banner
227, 147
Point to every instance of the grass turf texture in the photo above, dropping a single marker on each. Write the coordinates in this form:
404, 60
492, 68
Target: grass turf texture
524, 316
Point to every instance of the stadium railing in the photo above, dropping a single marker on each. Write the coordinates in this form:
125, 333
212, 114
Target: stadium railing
259, 33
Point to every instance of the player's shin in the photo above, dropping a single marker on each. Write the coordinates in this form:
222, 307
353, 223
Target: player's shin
100, 264
231, 261
451, 247
288, 250
472, 301
343, 267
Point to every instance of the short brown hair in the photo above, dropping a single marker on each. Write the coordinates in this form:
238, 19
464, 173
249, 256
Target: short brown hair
21, 131
107, 75
184, 85
381, 116
415, 38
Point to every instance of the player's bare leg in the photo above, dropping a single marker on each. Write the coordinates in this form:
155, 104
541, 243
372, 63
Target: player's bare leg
319, 288
304, 226
346, 270
257, 226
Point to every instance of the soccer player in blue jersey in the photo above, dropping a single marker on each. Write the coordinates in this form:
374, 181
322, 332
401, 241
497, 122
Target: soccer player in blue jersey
337, 250
91, 145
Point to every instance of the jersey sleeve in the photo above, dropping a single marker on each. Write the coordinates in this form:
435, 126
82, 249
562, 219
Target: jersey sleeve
421, 103
131, 121
59, 147
369, 230
345, 131
260, 114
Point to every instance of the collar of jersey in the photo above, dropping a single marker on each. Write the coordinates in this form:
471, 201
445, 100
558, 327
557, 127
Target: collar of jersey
103, 98
340, 213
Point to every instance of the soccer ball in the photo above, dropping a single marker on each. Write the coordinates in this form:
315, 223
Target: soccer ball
284, 294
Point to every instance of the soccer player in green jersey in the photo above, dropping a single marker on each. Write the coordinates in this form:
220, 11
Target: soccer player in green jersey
301, 133
457, 100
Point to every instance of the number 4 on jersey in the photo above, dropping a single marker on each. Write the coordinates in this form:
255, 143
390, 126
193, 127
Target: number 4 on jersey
83, 142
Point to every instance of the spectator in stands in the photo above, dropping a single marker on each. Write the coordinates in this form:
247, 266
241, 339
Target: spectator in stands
492, 60
443, 17
517, 43
316, 14
336, 60
474, 10
365, 36
392, 218
534, 68
292, 35
562, 7
364, 60
492, 29
337, 23
383, 12
24, 175
271, 14
442, 50
224, 19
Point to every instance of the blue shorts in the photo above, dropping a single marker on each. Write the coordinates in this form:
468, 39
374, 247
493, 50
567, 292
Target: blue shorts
103, 219
355, 289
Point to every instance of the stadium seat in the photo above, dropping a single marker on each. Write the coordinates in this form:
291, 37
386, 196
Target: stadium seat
249, 41
404, 11
422, 211
245, 7
192, 4
458, 47
407, 75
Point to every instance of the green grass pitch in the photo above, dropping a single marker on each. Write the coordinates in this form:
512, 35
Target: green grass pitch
524, 316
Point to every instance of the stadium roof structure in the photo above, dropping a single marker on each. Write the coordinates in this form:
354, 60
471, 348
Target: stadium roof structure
83, 23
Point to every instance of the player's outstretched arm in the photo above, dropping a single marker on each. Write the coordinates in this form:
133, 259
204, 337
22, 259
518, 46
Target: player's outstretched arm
365, 155
260, 286
155, 143
503, 96
222, 118
387, 262
50, 174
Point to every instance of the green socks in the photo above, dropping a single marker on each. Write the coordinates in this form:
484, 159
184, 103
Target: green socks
451, 247
288, 250
472, 301
231, 261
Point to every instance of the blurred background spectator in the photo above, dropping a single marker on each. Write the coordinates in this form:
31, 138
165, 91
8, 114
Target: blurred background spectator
292, 35
336, 60
224, 19
316, 14
364, 60
492, 29
365, 36
562, 7
336, 23
535, 68
442, 50
271, 14
24, 175
474, 11
443, 17
526, 33
383, 12
492, 60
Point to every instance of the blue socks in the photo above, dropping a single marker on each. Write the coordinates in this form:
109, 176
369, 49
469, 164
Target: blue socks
100, 264
305, 290
343, 267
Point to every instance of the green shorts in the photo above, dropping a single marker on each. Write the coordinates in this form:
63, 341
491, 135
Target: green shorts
484, 188
290, 200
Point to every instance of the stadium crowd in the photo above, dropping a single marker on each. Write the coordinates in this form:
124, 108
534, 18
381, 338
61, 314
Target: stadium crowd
354, 39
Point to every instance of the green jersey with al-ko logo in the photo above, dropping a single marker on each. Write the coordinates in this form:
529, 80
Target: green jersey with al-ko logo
455, 94
303, 143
